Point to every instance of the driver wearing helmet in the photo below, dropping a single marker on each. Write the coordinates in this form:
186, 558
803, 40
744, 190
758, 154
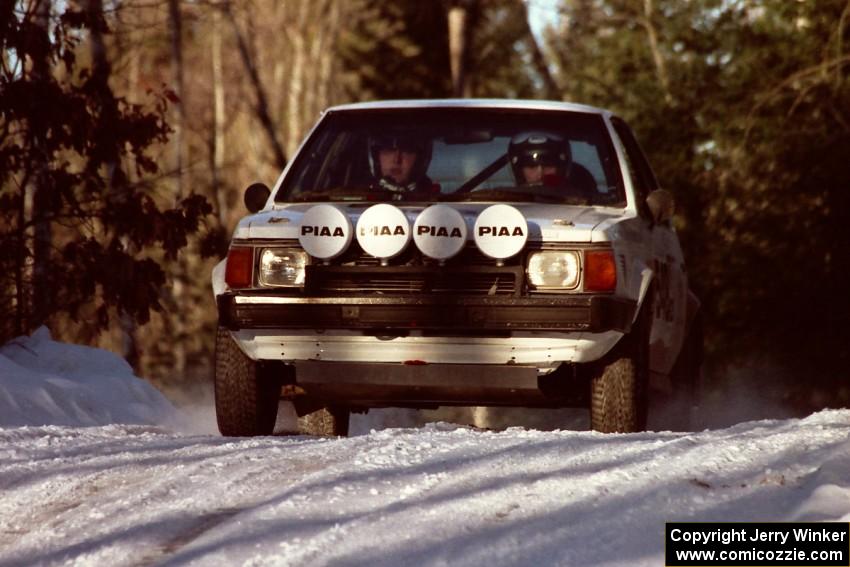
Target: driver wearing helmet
399, 162
542, 158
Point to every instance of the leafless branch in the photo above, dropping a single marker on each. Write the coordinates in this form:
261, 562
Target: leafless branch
261, 106
554, 91
809, 74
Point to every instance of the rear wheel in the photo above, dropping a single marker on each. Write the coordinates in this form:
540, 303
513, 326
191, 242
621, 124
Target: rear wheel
246, 398
618, 390
328, 422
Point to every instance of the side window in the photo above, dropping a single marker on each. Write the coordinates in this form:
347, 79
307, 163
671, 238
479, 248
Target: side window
639, 169
587, 155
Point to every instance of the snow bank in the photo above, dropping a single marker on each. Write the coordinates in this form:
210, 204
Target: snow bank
43, 382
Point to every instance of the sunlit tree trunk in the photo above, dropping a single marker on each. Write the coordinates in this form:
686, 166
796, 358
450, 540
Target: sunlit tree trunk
458, 35
175, 20
295, 32
318, 36
39, 198
261, 106
282, 70
657, 57
101, 73
326, 54
553, 90
22, 271
326, 62
218, 120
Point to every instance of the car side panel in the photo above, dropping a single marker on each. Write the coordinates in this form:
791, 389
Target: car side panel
669, 308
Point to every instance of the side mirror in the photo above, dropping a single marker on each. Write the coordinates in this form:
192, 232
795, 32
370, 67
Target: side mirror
661, 206
256, 196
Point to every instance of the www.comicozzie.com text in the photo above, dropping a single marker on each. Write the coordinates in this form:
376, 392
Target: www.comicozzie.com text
756, 534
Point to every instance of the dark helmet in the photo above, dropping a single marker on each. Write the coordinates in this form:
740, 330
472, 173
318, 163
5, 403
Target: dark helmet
539, 148
403, 141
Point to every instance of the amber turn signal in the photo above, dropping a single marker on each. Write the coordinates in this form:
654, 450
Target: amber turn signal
240, 267
600, 272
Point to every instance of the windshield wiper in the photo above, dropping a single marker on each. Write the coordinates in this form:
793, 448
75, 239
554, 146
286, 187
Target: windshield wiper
533, 194
342, 194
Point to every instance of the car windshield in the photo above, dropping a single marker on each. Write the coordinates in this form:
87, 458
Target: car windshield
468, 154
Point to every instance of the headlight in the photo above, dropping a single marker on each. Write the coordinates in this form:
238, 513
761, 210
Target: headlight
553, 270
282, 267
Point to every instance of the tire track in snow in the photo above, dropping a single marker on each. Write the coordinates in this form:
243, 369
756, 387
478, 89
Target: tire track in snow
195, 529
151, 491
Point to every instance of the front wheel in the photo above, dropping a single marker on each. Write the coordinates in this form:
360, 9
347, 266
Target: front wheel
618, 390
246, 399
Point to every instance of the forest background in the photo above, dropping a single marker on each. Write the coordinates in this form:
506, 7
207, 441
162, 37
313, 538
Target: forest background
129, 129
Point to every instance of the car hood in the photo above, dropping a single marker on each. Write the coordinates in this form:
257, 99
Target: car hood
546, 223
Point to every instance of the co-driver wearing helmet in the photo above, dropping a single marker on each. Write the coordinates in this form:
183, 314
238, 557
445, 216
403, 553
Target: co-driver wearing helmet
542, 158
399, 162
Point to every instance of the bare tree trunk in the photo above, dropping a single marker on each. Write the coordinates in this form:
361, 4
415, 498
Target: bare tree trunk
262, 106
130, 349
553, 90
133, 76
458, 16
40, 199
296, 34
326, 55
175, 20
282, 67
218, 120
839, 48
22, 275
318, 34
101, 72
657, 58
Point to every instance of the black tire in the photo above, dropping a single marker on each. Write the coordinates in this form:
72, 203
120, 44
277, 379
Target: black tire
246, 399
618, 389
327, 422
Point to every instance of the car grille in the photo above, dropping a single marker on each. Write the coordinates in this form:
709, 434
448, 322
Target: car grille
469, 256
387, 280
412, 273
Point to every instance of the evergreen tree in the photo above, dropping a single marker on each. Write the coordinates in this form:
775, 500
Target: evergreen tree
743, 108
66, 128
397, 50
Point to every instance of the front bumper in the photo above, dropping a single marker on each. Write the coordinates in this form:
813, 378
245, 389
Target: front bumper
433, 385
434, 314
544, 351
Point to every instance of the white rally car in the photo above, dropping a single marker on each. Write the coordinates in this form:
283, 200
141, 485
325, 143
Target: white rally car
455, 252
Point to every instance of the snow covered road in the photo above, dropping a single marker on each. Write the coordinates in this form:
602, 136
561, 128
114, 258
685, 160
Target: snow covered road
77, 488
438, 495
